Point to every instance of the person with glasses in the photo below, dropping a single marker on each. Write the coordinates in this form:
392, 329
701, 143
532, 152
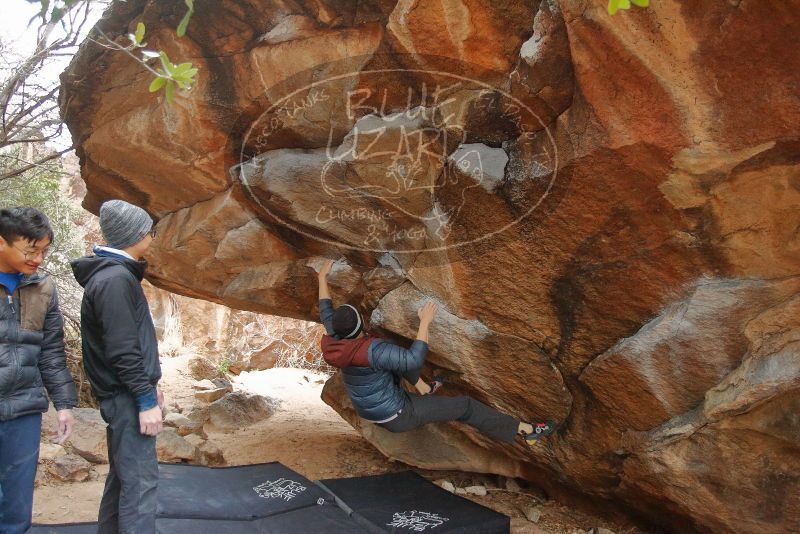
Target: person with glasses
120, 356
33, 364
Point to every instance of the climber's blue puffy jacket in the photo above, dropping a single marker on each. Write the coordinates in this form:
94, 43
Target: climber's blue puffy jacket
375, 390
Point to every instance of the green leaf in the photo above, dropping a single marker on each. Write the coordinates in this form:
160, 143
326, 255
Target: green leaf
181, 31
613, 6
180, 69
139, 32
641, 3
45, 7
157, 84
624, 4
166, 63
170, 91
190, 4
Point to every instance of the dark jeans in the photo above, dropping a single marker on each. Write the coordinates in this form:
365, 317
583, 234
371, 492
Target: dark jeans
423, 409
129, 497
19, 454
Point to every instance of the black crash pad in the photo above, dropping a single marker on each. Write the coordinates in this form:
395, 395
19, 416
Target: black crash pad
315, 519
325, 519
407, 502
273, 499
243, 492
250, 499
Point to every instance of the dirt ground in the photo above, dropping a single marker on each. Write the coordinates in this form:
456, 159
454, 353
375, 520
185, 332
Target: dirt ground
308, 436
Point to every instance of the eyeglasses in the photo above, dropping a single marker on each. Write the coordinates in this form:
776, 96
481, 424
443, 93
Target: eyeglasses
33, 254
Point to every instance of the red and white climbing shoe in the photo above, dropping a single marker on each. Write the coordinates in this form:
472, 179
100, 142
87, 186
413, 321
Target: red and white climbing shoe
540, 430
435, 384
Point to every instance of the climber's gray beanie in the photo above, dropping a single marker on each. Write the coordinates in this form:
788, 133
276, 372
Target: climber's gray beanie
123, 224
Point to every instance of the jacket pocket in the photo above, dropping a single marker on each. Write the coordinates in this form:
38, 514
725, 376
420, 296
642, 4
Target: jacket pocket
35, 300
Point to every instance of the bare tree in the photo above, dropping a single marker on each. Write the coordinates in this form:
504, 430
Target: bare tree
29, 116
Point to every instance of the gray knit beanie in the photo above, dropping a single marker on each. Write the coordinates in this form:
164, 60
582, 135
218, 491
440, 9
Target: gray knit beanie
123, 224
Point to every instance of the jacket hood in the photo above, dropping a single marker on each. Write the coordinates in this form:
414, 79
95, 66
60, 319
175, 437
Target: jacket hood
88, 266
346, 352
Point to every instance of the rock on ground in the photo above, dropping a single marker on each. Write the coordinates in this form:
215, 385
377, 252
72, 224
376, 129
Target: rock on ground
171, 447
70, 468
238, 409
89, 436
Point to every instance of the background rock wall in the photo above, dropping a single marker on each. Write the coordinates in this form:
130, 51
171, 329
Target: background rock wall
626, 257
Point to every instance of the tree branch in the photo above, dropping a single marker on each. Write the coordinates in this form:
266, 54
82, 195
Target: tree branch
21, 170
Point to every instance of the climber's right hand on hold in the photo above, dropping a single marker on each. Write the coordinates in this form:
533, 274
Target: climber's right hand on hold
326, 268
427, 312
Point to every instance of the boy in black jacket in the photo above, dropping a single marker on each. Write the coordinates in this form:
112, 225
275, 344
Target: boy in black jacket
120, 355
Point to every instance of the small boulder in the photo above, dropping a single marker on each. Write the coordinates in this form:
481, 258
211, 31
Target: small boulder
238, 410
50, 451
89, 438
171, 447
446, 484
222, 382
198, 413
266, 358
204, 385
176, 420
70, 468
210, 395
211, 455
512, 485
202, 368
533, 513
184, 425
476, 490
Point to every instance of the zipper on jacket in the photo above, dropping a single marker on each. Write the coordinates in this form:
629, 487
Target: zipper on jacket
5, 412
14, 342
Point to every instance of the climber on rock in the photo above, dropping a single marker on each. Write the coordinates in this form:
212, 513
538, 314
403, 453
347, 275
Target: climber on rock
372, 368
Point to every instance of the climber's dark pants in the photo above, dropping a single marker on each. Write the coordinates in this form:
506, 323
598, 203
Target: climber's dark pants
423, 409
412, 375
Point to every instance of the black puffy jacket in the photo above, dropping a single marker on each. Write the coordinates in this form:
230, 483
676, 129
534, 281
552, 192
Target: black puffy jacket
32, 356
120, 350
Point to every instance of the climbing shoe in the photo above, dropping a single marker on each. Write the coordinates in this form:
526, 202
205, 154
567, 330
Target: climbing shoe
435, 383
540, 430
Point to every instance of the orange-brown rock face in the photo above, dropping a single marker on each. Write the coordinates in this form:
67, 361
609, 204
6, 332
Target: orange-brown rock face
606, 208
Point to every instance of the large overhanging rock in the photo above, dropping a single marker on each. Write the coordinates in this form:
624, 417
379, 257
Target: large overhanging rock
606, 209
